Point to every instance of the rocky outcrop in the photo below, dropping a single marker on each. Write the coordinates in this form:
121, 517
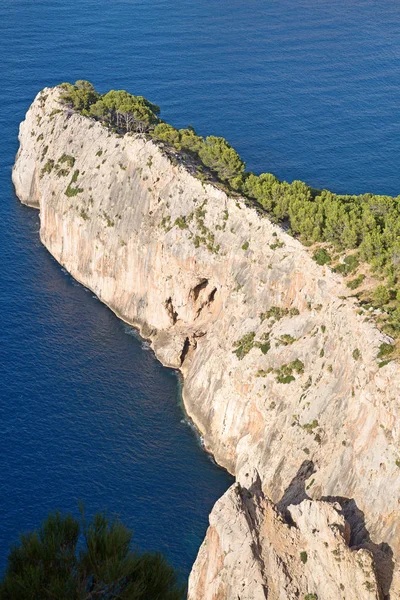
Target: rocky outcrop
280, 367
253, 552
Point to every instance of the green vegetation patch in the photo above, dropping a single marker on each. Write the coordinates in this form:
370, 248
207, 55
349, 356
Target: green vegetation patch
264, 346
47, 169
383, 363
322, 257
166, 223
44, 152
73, 191
181, 223
380, 296
277, 313
206, 236
385, 350
277, 244
355, 283
248, 341
348, 266
285, 373
244, 345
55, 112
309, 427
286, 340
67, 159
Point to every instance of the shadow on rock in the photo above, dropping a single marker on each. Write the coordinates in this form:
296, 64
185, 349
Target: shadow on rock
296, 491
360, 538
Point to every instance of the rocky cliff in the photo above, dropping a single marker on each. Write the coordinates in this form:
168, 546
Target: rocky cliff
281, 374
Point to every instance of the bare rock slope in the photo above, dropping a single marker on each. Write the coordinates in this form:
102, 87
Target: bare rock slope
281, 374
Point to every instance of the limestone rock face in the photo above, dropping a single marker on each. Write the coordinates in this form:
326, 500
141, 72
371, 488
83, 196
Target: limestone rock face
258, 555
264, 337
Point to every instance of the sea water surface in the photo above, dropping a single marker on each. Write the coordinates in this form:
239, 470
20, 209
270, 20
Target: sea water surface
306, 89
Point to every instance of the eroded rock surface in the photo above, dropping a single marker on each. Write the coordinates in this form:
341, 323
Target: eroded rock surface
252, 552
264, 337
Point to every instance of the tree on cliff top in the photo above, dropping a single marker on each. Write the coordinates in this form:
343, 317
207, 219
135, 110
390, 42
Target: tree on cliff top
79, 96
217, 154
133, 113
75, 560
117, 108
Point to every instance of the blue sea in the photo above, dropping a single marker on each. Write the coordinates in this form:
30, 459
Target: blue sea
307, 90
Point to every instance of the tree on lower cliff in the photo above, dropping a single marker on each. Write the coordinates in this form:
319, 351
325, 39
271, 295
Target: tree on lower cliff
74, 560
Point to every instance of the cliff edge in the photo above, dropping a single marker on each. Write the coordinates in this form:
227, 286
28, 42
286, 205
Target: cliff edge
281, 374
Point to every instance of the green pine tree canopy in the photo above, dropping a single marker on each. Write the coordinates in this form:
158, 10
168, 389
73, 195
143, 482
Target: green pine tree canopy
360, 229
70, 559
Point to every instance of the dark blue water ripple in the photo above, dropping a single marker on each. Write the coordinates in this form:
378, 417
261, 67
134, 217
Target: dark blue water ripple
304, 89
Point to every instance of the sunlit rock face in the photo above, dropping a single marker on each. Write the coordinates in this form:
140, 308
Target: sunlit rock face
266, 341
264, 553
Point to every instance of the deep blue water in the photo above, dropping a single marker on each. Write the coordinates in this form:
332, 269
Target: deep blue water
304, 89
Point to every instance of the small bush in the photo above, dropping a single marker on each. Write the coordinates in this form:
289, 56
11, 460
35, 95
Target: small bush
303, 557
265, 347
349, 265
285, 378
383, 363
244, 345
285, 373
297, 366
385, 350
309, 427
277, 244
166, 223
286, 340
245, 246
277, 313
47, 169
354, 283
181, 223
356, 354
380, 296
70, 192
66, 158
322, 257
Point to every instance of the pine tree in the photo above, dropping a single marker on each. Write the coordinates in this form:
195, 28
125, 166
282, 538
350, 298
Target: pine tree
69, 559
